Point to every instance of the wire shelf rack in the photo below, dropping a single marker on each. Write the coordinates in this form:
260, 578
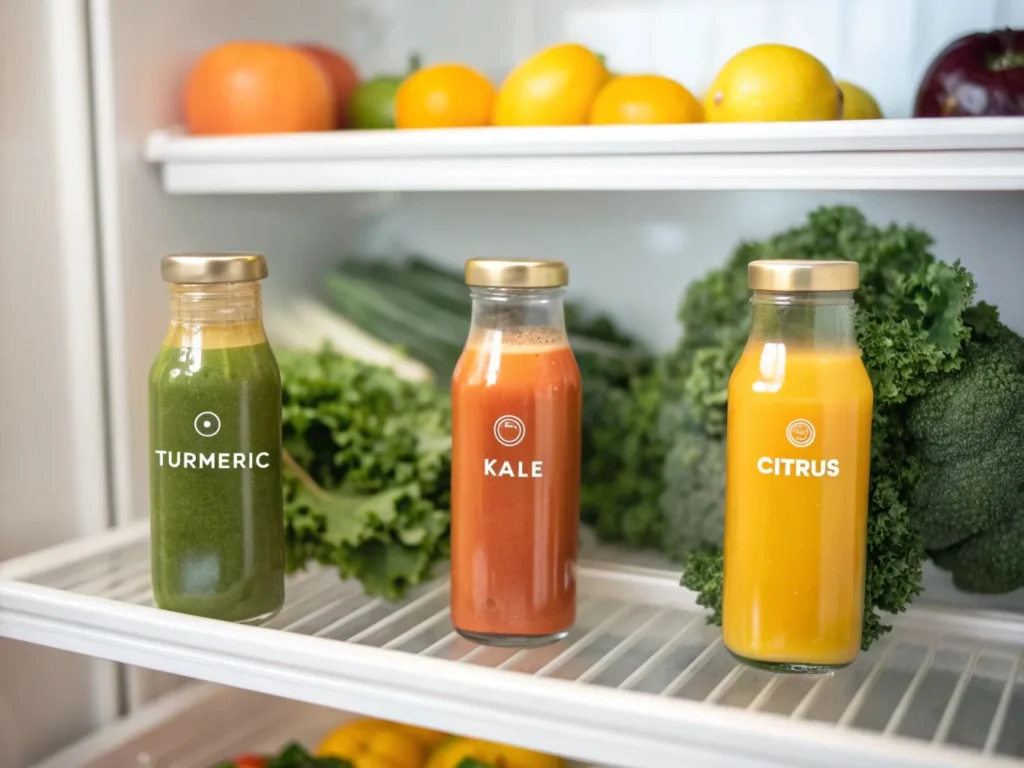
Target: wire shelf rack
641, 680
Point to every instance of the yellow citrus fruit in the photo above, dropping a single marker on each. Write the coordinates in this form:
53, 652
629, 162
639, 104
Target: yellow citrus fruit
453, 752
370, 743
769, 83
858, 104
644, 99
555, 87
444, 96
427, 738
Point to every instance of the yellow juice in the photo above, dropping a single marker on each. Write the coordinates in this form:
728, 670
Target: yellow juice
798, 452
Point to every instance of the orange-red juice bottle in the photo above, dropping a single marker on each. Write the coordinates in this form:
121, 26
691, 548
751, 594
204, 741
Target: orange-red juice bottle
798, 449
515, 459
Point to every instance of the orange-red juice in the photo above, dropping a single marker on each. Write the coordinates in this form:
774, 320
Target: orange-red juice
798, 451
515, 485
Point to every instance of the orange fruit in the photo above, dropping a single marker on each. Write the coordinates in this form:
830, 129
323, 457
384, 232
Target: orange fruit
645, 100
555, 87
341, 72
444, 96
244, 87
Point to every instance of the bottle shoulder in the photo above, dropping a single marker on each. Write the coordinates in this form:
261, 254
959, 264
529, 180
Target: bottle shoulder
774, 369
513, 365
176, 365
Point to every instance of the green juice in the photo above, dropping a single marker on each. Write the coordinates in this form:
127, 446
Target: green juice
215, 479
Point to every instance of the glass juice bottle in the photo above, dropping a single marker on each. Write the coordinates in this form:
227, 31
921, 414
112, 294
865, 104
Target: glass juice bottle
215, 445
515, 459
798, 446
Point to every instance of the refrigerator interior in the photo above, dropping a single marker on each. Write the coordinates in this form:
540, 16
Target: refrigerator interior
630, 253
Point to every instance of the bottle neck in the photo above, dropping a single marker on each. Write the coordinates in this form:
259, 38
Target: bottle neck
525, 310
822, 320
216, 315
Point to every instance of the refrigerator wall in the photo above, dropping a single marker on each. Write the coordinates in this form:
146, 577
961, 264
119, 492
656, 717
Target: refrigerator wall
53, 462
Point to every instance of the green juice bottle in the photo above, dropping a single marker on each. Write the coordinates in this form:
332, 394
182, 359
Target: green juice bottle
215, 445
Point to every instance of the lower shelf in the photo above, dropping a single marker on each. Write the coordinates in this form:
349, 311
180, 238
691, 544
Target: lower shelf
197, 727
641, 681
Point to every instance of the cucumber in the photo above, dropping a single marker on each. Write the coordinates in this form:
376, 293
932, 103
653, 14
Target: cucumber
440, 288
394, 318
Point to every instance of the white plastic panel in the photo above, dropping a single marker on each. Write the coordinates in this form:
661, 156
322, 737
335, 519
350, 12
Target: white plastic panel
640, 681
979, 154
52, 422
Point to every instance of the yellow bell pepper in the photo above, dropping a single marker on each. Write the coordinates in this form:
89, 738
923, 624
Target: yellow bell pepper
453, 751
370, 743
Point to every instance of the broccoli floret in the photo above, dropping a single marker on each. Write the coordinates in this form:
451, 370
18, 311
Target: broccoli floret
623, 454
991, 562
968, 430
693, 504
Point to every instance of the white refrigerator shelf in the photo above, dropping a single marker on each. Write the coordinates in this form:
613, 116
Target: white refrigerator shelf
641, 681
939, 154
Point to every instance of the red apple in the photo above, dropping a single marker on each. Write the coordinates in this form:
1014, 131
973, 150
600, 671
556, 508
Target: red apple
340, 71
979, 74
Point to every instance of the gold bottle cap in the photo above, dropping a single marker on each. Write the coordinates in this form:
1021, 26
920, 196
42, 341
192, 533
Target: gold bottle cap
194, 268
516, 273
794, 276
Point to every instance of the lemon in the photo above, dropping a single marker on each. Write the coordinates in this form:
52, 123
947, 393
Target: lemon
772, 83
858, 104
554, 87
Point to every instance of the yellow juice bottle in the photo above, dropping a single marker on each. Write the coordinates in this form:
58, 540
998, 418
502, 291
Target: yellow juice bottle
798, 452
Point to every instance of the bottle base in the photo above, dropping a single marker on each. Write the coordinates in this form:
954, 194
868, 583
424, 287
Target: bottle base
257, 620
263, 618
789, 667
512, 641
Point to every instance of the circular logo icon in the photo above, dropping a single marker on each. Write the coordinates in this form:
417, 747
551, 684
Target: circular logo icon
800, 433
207, 424
509, 430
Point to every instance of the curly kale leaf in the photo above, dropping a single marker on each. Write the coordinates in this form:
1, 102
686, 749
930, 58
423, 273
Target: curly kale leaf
368, 460
703, 575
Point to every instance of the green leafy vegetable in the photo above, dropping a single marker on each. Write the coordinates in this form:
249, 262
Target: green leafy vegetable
368, 458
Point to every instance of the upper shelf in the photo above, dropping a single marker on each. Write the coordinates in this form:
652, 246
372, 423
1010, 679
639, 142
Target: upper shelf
640, 682
949, 154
